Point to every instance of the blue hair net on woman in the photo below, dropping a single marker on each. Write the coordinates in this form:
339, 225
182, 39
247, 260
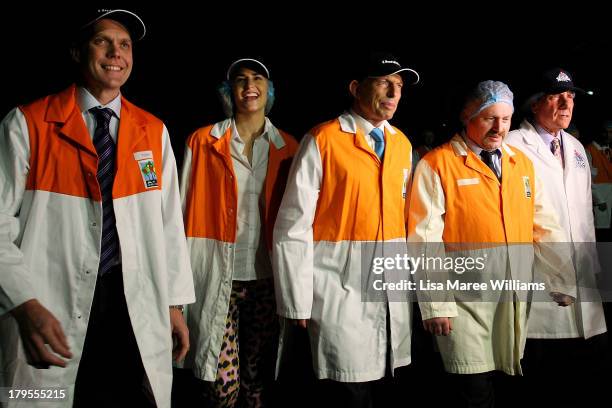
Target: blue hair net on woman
484, 95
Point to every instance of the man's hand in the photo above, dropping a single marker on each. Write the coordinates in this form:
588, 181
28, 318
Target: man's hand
439, 326
303, 323
180, 335
39, 328
562, 299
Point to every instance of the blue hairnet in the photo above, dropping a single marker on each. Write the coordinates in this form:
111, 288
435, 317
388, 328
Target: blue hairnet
484, 95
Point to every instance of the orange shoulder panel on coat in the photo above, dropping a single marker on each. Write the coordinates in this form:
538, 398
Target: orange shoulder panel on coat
211, 198
139, 152
360, 199
63, 158
62, 155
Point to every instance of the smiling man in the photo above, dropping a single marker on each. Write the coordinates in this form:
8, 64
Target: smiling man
347, 186
92, 247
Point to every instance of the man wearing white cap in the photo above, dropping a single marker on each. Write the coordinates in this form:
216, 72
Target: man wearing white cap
92, 247
481, 198
347, 187
233, 178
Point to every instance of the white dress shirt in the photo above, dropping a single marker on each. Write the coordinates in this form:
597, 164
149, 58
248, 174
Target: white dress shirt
477, 149
367, 127
548, 137
87, 101
251, 259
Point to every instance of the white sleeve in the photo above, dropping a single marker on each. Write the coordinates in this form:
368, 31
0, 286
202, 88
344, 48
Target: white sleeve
185, 176
427, 205
588, 192
15, 278
553, 250
426, 227
293, 247
546, 225
180, 278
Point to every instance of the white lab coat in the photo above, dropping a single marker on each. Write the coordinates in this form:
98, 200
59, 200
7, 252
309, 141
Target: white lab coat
569, 192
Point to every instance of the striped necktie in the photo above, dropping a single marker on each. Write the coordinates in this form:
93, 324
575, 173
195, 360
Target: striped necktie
105, 146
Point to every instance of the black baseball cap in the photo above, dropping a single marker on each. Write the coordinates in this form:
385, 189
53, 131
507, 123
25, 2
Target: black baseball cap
555, 81
134, 24
380, 64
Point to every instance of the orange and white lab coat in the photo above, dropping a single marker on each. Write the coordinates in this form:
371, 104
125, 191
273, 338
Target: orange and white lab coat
209, 196
456, 199
338, 197
50, 232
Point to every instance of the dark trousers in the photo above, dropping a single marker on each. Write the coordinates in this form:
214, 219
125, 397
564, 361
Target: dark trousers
382, 393
474, 390
342, 394
370, 394
110, 372
567, 372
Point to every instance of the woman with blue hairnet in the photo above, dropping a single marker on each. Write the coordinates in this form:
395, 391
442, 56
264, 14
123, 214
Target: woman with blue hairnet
233, 179
480, 197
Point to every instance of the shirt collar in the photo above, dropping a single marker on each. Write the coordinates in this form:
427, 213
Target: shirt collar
87, 101
366, 126
477, 149
546, 135
265, 135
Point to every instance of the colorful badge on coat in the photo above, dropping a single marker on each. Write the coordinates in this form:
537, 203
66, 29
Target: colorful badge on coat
579, 160
527, 186
147, 168
405, 184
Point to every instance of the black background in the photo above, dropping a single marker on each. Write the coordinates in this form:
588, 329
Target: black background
309, 49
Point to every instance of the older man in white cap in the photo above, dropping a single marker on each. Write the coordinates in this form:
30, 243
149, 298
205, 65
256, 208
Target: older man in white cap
93, 256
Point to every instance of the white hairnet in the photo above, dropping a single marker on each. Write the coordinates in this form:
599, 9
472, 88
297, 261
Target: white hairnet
484, 95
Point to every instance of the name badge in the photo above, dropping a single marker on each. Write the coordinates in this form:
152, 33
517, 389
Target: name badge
147, 168
527, 186
468, 181
146, 154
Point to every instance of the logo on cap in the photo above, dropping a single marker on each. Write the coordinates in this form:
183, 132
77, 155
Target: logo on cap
563, 77
390, 62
